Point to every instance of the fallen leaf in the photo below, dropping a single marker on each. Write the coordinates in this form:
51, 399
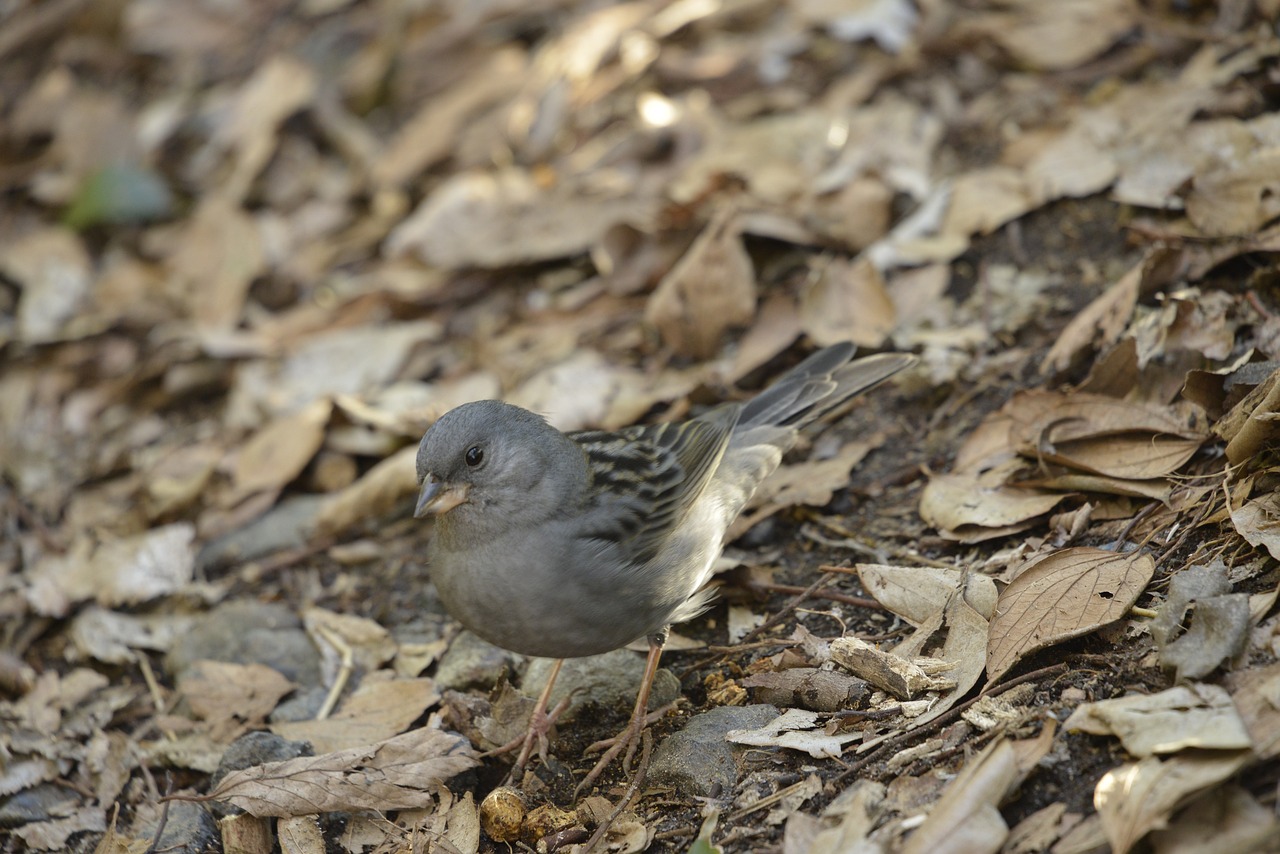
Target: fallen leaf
398, 773
1180, 718
1065, 595
708, 292
1137, 798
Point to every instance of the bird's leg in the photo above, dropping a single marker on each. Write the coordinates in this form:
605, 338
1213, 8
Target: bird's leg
540, 724
630, 737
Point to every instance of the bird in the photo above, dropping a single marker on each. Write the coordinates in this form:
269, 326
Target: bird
564, 545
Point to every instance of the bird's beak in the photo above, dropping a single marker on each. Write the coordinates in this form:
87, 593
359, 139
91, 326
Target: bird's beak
439, 497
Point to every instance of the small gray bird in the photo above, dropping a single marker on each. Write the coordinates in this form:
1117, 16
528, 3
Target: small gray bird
565, 545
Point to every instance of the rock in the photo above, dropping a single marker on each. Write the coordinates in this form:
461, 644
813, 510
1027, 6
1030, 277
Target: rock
698, 761
472, 662
247, 632
609, 680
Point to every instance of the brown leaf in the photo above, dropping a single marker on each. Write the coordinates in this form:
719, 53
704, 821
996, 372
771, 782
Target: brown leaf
1137, 798
217, 257
1099, 324
1062, 596
847, 301
276, 454
708, 292
497, 219
399, 773
381, 707
219, 691
974, 507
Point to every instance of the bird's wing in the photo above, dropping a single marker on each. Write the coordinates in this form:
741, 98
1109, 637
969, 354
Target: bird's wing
645, 478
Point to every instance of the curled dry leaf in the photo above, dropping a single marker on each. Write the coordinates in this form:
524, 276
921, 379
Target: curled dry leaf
496, 219
399, 773
966, 818
1062, 596
1137, 798
971, 507
1183, 717
1106, 436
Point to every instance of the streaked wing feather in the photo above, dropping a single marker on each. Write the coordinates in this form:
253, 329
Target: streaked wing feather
648, 476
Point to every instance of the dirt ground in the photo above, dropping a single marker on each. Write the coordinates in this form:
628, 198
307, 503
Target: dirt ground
250, 252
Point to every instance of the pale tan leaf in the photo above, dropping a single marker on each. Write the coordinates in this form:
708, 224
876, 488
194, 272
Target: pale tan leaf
1227, 818
219, 691
1256, 694
1186, 716
275, 455
218, 255
54, 272
1137, 798
967, 818
1058, 35
956, 502
1062, 596
708, 292
381, 707
399, 773
1258, 521
1099, 324
501, 218
847, 301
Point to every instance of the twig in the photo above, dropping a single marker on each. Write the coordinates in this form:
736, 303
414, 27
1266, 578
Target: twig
942, 720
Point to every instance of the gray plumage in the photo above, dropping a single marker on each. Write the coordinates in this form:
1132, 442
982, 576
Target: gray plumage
564, 545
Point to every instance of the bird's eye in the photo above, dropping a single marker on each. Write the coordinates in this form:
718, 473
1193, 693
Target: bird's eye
474, 456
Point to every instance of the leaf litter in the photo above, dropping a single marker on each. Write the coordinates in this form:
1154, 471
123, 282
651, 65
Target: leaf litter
253, 252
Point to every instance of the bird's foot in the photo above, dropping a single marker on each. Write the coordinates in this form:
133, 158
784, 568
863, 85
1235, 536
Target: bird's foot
540, 726
627, 740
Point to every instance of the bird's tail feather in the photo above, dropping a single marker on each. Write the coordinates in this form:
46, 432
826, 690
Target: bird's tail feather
819, 384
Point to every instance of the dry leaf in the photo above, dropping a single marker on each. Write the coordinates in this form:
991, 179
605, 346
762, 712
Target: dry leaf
1187, 716
966, 818
1065, 595
708, 292
219, 691
118, 572
502, 218
973, 507
847, 301
379, 708
275, 455
1137, 798
54, 273
398, 773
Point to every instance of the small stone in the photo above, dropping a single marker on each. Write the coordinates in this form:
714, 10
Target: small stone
698, 761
